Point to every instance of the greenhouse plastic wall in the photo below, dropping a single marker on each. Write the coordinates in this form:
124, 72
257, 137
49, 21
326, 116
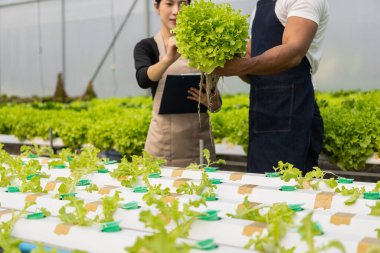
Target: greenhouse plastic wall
31, 46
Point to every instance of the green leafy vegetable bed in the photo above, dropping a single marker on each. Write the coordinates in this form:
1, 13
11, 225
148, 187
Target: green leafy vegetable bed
352, 123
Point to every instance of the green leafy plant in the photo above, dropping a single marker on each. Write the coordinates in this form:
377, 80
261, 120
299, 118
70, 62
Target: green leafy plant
83, 164
28, 151
10, 167
30, 176
308, 230
279, 218
354, 194
375, 210
209, 34
351, 119
33, 185
377, 187
110, 205
13, 172
205, 188
78, 216
310, 180
140, 166
7, 242
209, 162
163, 240
91, 188
67, 185
352, 129
64, 157
230, 131
45, 211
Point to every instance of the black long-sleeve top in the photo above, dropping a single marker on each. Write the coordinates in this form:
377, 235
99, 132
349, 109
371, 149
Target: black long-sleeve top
146, 54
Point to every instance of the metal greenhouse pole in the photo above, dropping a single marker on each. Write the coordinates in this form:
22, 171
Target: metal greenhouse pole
113, 26
40, 60
113, 40
147, 17
63, 16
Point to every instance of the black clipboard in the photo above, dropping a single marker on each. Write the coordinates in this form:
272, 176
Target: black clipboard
174, 98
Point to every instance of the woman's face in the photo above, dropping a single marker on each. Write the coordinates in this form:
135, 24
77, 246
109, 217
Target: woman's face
168, 11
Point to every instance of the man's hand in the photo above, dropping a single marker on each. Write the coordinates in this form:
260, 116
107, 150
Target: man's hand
297, 38
229, 69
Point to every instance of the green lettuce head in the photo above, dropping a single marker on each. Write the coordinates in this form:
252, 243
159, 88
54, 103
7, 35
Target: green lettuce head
210, 34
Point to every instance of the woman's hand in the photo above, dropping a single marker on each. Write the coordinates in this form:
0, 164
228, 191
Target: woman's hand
215, 102
156, 71
171, 50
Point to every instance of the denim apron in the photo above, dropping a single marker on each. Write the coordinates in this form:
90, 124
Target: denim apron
284, 119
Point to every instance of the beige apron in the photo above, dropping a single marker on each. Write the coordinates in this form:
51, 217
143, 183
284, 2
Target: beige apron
175, 137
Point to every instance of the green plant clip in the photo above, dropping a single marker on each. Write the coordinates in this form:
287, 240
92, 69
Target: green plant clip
343, 180
103, 171
140, 189
31, 176
36, 216
130, 206
288, 188
84, 182
12, 189
371, 195
215, 180
212, 197
318, 227
67, 195
296, 207
208, 244
59, 166
110, 162
211, 169
272, 174
209, 215
155, 175
111, 227
33, 156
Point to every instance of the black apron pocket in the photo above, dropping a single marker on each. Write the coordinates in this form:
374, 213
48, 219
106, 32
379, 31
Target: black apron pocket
273, 108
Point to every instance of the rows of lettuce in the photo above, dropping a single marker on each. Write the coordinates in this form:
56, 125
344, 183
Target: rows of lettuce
352, 123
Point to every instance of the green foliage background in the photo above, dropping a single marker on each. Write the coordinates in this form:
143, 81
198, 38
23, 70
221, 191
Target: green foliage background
352, 123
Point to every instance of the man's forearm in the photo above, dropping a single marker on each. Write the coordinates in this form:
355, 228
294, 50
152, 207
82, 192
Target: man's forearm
273, 61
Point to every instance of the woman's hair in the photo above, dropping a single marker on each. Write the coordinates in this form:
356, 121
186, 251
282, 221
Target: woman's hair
159, 1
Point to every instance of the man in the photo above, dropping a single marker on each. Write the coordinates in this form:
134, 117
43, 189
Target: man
283, 53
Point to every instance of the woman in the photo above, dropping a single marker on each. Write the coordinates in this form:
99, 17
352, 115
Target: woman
174, 137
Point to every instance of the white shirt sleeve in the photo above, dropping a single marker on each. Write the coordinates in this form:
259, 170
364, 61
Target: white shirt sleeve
309, 9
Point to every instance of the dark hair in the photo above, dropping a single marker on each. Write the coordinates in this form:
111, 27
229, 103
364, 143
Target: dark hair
159, 1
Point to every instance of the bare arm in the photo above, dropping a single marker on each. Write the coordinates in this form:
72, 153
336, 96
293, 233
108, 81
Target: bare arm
156, 71
296, 40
